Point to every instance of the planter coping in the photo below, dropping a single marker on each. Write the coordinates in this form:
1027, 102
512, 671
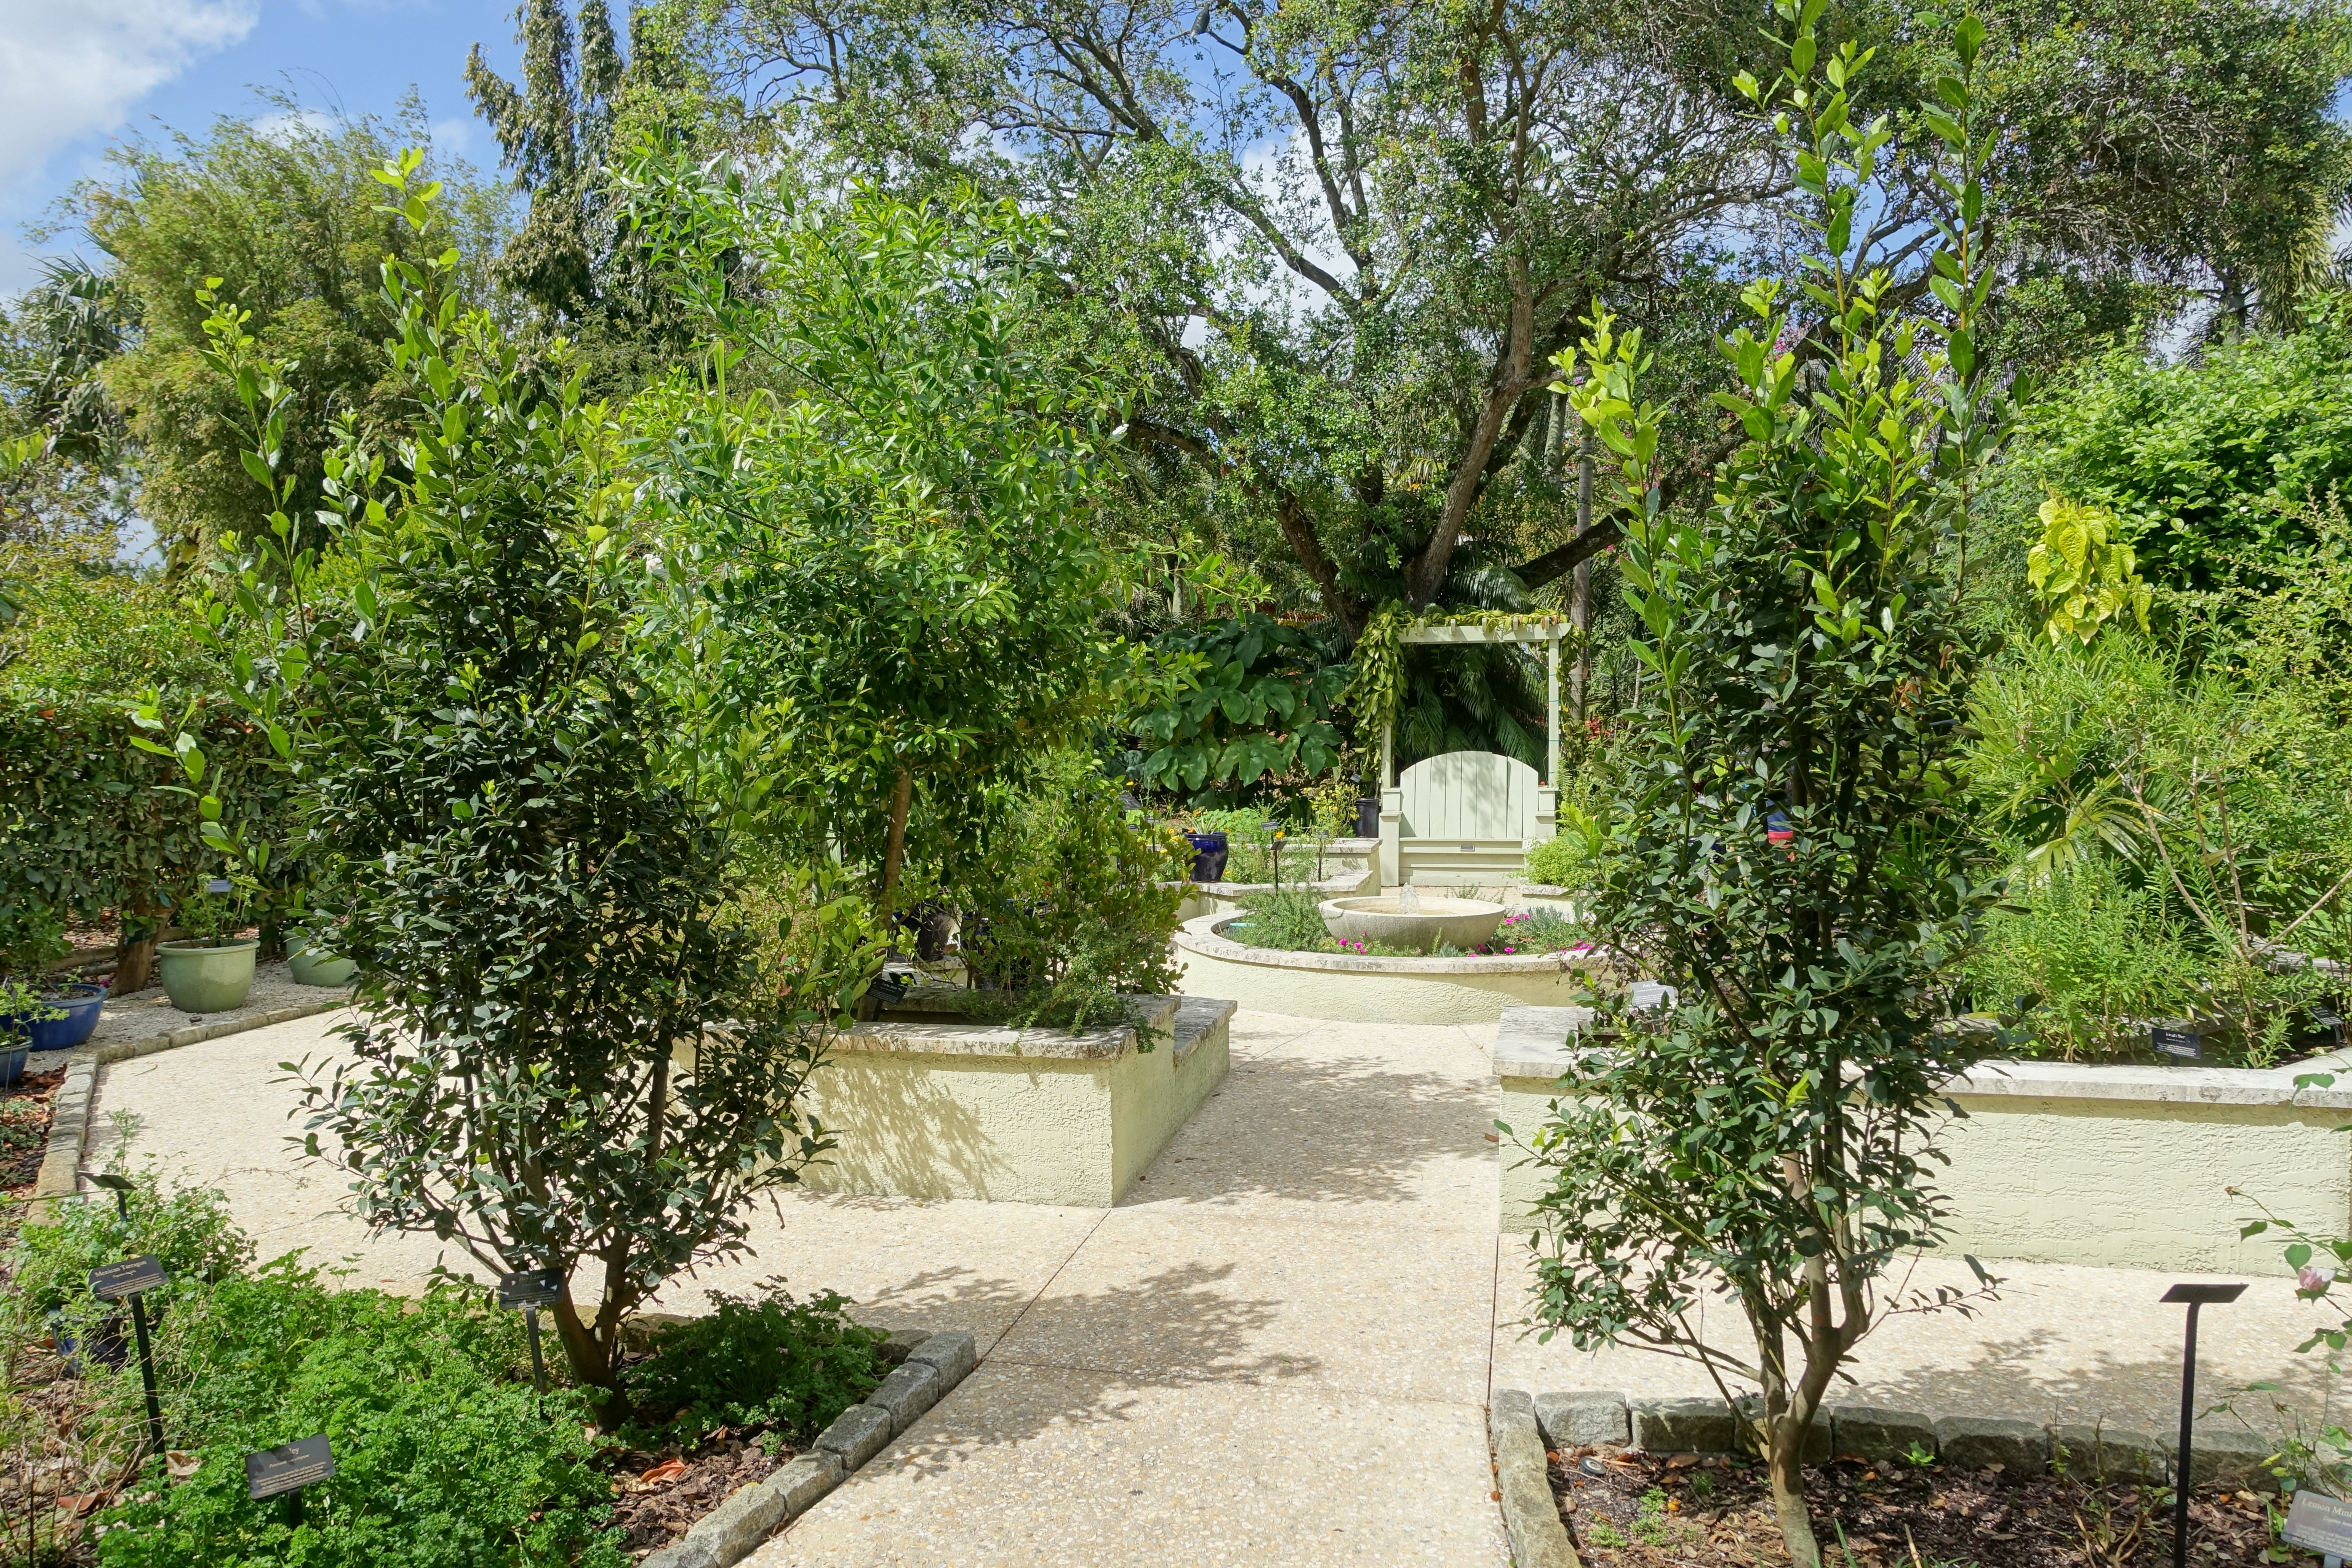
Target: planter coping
1533, 1042
964, 1038
1200, 935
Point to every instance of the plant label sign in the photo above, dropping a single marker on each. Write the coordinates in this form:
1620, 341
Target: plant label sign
2322, 1524
2186, 1045
131, 1277
531, 1287
288, 1468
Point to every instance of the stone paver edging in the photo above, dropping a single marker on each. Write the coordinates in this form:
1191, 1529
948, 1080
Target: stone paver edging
1530, 1513
1699, 1425
932, 1364
60, 1173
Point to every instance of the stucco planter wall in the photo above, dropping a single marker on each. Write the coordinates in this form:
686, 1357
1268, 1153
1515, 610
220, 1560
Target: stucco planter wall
1348, 870
949, 1109
2059, 1163
1353, 989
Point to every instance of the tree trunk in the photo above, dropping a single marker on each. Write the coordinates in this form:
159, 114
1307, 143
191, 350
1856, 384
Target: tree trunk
134, 954
893, 853
1786, 1467
895, 850
1580, 591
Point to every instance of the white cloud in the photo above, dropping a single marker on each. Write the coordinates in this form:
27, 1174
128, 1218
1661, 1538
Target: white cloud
74, 67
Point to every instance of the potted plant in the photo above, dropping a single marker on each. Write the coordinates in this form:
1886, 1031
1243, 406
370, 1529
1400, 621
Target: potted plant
315, 963
21, 1010
38, 1013
205, 971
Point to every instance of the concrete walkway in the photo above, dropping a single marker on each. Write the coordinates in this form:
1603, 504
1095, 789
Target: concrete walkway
1277, 1351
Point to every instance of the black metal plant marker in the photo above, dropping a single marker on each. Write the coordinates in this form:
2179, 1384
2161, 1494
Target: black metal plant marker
531, 1288
287, 1470
2193, 1297
132, 1278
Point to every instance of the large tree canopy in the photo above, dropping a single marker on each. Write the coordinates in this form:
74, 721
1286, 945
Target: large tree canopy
1334, 244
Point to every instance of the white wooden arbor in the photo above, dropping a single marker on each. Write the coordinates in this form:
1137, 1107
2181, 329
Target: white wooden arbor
1467, 817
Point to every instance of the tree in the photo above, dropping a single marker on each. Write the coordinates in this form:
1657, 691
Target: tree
2207, 464
284, 215
581, 103
64, 484
2185, 147
1769, 1133
568, 1054
1334, 248
885, 547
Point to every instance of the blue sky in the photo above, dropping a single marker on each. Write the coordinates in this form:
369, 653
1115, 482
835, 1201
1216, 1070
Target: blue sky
78, 75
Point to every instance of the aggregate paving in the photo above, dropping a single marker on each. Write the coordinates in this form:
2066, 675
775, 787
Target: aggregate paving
1277, 1350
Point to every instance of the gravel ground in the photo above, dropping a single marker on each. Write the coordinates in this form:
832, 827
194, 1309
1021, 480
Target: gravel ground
150, 1012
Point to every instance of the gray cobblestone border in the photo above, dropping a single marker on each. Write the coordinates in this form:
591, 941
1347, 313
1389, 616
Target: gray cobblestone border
930, 1364
1683, 1423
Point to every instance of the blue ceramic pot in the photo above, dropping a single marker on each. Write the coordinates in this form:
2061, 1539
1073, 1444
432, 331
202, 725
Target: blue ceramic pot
1209, 852
79, 1004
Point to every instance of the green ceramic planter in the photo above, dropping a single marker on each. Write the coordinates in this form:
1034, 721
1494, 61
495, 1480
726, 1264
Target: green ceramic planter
318, 968
207, 976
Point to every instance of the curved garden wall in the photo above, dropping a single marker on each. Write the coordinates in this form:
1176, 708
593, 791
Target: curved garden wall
1351, 988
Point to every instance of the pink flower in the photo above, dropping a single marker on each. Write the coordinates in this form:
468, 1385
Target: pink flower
2312, 1280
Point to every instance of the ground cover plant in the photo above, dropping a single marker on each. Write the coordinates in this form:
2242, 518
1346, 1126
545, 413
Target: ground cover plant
444, 1452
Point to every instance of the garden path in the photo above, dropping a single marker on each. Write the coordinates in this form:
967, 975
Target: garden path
1277, 1351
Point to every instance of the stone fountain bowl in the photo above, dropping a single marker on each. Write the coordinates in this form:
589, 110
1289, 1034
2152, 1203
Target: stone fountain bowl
1464, 923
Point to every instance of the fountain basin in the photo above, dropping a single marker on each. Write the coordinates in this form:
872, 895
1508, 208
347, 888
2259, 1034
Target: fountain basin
1464, 923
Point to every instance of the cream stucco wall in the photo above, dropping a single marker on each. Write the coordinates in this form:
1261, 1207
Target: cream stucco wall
1016, 1128
2138, 1184
1353, 989
2056, 1162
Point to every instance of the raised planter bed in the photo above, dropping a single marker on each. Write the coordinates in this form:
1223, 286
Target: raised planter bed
1353, 988
2063, 1162
932, 1105
1348, 869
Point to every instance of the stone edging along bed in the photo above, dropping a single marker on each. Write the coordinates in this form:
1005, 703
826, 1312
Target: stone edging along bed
1522, 1426
930, 1364
60, 1174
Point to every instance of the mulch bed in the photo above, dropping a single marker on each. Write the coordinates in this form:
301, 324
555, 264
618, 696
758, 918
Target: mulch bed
657, 1495
1631, 1510
25, 1107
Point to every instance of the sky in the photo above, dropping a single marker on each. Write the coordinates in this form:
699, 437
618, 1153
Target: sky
79, 76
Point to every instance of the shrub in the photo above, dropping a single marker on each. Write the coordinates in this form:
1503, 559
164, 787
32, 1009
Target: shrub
2094, 952
1071, 904
1291, 921
759, 1361
442, 1458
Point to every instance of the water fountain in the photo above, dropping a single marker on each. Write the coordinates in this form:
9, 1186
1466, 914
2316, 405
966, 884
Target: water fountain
1404, 918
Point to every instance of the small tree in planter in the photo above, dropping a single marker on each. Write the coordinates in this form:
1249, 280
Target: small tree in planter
569, 1054
1782, 853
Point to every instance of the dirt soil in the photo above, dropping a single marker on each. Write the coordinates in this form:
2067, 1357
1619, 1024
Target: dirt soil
656, 1496
1631, 1510
25, 1107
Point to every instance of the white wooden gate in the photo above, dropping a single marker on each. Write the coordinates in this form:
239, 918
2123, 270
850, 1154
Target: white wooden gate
1465, 819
